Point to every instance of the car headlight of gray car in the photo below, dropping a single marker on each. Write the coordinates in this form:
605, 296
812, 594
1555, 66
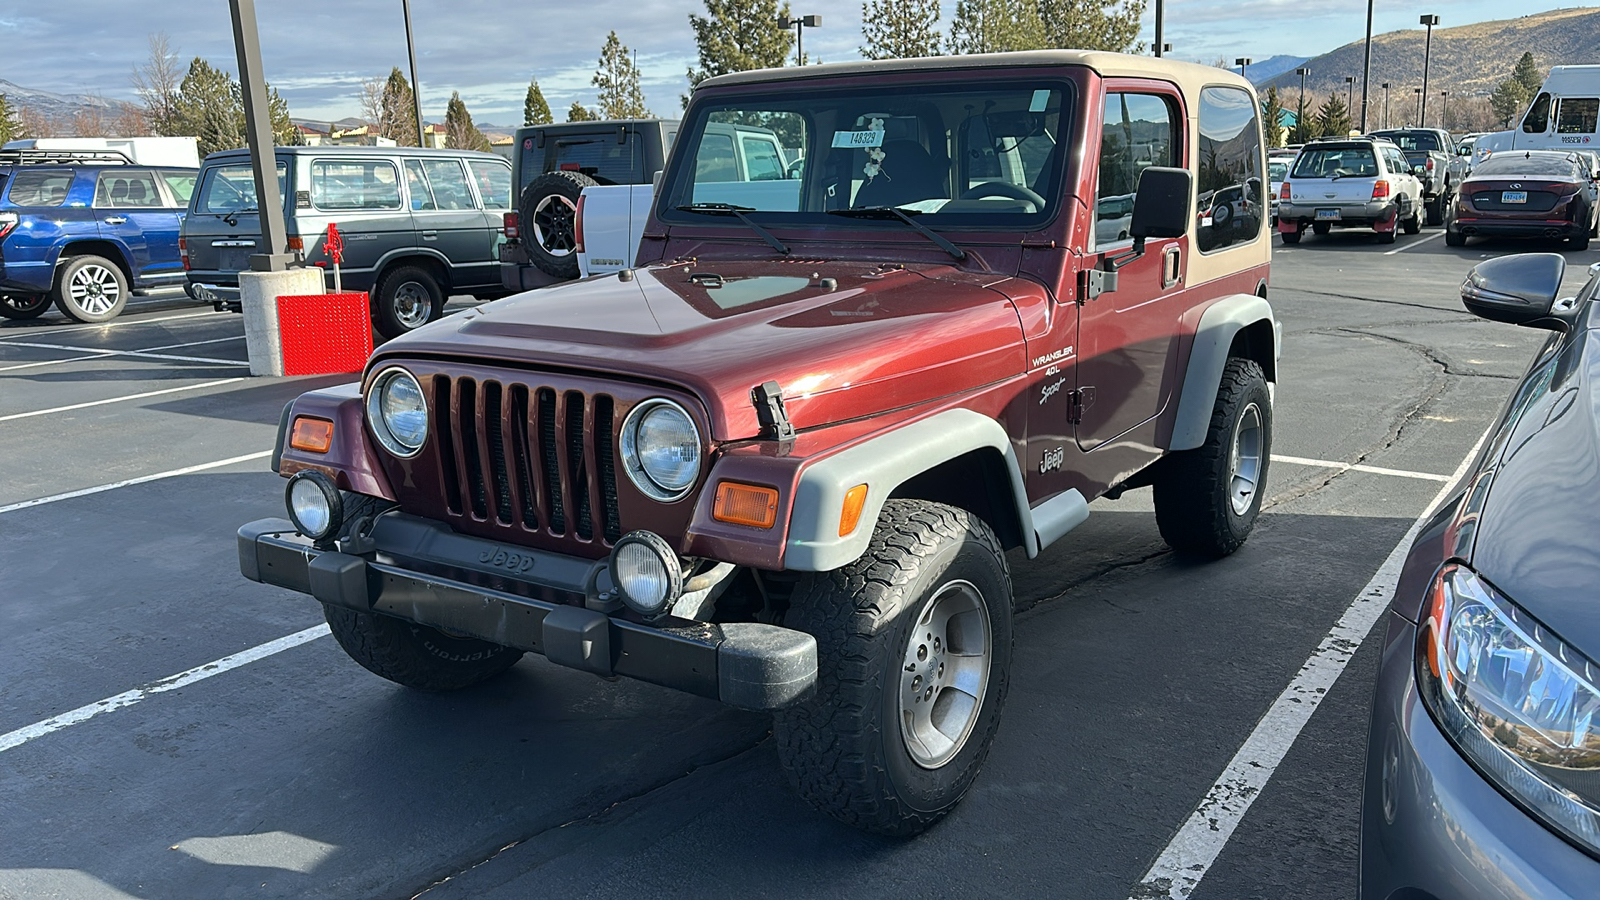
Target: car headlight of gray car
661, 449
1521, 704
397, 412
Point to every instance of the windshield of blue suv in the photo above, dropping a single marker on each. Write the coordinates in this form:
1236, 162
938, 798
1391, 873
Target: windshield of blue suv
975, 154
1336, 162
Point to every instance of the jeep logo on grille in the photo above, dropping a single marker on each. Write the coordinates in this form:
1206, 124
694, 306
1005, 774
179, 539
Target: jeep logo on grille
513, 562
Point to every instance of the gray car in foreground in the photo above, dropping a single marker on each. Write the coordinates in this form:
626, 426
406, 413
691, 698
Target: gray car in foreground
1483, 760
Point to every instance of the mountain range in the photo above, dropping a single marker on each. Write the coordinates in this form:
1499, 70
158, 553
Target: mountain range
56, 106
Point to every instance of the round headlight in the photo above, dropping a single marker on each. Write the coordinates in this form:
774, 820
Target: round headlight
314, 504
661, 449
397, 412
647, 572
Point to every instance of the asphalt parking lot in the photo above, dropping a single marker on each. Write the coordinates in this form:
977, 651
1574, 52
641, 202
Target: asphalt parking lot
273, 766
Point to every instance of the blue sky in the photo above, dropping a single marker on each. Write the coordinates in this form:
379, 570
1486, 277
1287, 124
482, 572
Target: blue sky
317, 54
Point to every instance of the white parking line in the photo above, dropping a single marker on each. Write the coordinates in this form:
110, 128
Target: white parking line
1196, 846
43, 332
14, 739
138, 353
54, 362
1414, 243
189, 387
101, 354
1358, 467
142, 479
226, 340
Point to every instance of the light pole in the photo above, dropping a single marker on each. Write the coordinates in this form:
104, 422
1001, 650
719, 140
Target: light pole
1300, 117
258, 136
416, 89
1427, 50
1418, 92
800, 24
1444, 110
1350, 102
1386, 104
1243, 63
1161, 17
1366, 69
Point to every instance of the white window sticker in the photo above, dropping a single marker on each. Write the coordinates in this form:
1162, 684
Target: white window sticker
1041, 97
868, 138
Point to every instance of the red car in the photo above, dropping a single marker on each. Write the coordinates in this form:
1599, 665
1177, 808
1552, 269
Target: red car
1526, 193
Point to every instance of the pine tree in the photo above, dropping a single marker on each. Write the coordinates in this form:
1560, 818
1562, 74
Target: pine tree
1092, 24
397, 116
1527, 74
10, 122
900, 29
1272, 111
460, 133
1333, 117
580, 113
739, 35
617, 81
535, 111
209, 107
995, 26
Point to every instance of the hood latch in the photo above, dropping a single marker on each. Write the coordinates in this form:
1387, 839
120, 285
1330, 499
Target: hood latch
770, 412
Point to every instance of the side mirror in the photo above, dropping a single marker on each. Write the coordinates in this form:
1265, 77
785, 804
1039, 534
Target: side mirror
1519, 289
1161, 204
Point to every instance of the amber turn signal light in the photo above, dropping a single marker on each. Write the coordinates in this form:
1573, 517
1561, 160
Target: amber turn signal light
311, 435
854, 501
745, 504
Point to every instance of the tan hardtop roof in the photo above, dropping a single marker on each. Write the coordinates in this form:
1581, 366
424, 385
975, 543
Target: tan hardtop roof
1189, 76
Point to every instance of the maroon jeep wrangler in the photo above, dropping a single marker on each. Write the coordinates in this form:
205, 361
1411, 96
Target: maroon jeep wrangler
779, 462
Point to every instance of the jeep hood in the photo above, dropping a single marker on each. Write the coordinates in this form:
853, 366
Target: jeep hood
887, 336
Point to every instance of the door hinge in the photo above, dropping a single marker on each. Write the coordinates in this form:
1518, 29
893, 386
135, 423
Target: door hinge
1078, 401
1094, 282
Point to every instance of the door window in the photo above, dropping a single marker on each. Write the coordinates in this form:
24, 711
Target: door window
761, 160
715, 160
417, 186
1537, 121
1229, 177
1136, 134
449, 183
494, 183
181, 184
1576, 115
365, 184
123, 189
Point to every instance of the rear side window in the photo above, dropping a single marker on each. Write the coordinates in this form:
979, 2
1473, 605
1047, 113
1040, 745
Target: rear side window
1229, 192
181, 184
1576, 115
354, 184
231, 189
449, 184
40, 188
494, 183
123, 189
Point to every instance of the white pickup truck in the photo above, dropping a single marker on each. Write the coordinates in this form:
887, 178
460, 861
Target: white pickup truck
610, 218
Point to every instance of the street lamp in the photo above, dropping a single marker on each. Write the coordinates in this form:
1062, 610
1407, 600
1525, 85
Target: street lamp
1350, 85
416, 89
1418, 92
1386, 104
1243, 63
1300, 117
1366, 69
800, 24
1161, 18
1427, 50
1444, 110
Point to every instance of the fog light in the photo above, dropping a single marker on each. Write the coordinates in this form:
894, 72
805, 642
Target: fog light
647, 573
314, 504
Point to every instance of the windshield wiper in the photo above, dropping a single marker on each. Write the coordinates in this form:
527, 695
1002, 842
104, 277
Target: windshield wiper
894, 212
730, 209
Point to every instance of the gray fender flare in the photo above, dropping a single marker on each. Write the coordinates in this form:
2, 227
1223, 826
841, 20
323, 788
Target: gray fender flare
1213, 338
885, 462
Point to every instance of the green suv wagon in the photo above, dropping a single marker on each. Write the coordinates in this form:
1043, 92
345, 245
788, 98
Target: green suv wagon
418, 224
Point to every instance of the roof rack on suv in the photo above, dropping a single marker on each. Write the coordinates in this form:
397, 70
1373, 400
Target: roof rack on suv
64, 157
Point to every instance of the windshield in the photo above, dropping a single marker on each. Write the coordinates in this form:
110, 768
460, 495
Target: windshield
1412, 141
1558, 165
232, 188
1335, 162
958, 155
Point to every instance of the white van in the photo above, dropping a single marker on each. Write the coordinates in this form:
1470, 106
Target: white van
1564, 115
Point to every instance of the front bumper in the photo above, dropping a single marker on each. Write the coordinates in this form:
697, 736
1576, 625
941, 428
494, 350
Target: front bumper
1431, 826
541, 602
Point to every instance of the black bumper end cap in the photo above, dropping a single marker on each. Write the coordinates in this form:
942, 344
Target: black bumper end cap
249, 562
339, 579
765, 667
578, 638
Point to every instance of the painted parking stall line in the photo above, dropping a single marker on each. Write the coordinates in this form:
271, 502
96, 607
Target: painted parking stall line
12, 740
1177, 872
55, 362
122, 399
1358, 467
142, 479
1417, 242
122, 323
144, 354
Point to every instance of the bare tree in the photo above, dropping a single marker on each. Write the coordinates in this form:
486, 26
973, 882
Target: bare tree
89, 121
35, 124
372, 101
157, 83
130, 121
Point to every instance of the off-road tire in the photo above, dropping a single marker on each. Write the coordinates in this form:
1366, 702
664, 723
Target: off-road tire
23, 306
1193, 495
545, 220
1435, 208
1321, 227
1290, 237
843, 748
399, 309
95, 270
1454, 239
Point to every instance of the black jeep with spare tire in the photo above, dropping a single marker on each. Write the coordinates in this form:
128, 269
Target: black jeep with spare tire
551, 166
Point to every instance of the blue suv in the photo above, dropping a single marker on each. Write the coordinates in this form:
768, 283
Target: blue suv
83, 228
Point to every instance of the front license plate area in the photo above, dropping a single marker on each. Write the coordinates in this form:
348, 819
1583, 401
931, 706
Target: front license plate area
1326, 214
1513, 196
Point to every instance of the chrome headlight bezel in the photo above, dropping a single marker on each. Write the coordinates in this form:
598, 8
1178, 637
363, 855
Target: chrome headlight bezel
653, 485
378, 414
1467, 622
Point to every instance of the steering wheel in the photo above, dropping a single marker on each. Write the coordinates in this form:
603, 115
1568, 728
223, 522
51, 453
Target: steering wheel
1005, 189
